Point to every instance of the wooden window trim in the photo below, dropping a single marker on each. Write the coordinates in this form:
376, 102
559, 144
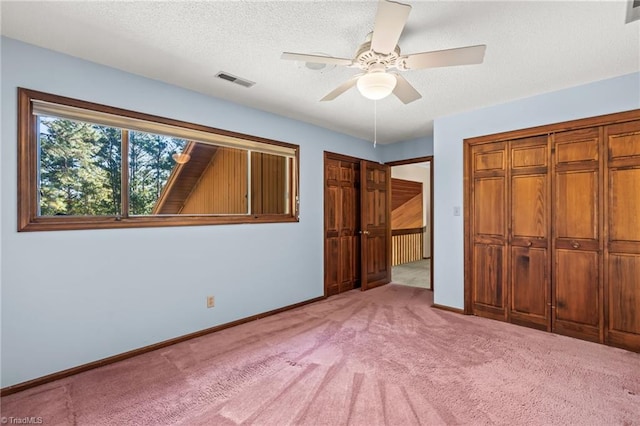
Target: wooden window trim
28, 219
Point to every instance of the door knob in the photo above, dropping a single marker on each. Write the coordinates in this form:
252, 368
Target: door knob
529, 243
575, 244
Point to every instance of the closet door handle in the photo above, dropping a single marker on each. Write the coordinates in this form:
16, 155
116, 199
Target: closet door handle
575, 244
529, 243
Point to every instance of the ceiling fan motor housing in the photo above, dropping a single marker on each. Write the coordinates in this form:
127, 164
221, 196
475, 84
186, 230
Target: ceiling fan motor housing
366, 57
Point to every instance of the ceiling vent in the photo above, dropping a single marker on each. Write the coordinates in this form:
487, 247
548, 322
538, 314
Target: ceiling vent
233, 79
633, 10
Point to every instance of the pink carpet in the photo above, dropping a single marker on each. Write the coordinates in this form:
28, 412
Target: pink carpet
382, 357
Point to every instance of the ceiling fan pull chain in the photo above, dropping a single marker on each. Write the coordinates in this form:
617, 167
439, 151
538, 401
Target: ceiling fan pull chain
375, 123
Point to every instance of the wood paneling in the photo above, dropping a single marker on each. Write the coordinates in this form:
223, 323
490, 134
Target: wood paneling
402, 191
222, 188
407, 201
184, 178
572, 200
268, 183
408, 215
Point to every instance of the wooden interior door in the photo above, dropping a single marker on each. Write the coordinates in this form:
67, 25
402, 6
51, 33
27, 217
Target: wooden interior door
342, 217
576, 293
489, 230
622, 248
375, 198
529, 264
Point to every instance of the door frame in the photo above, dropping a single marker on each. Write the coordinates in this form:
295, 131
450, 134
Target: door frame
426, 159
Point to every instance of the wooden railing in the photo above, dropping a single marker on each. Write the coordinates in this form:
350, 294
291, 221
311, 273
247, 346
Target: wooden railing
407, 245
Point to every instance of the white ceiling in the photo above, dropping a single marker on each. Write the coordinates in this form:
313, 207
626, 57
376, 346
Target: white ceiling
532, 47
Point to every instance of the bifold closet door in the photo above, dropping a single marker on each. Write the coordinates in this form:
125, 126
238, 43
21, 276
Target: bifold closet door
529, 276
622, 250
489, 230
577, 279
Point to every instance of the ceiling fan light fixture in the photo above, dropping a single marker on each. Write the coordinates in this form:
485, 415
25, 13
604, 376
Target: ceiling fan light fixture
376, 85
181, 158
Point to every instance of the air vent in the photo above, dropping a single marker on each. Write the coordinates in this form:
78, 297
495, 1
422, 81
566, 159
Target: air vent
237, 80
633, 10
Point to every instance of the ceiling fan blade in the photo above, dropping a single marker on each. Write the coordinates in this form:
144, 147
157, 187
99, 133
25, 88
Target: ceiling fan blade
446, 58
316, 59
342, 88
390, 20
405, 91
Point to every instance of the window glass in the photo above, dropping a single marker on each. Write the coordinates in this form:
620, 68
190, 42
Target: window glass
198, 179
79, 168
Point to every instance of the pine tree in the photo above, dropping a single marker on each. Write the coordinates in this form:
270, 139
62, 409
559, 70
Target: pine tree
72, 181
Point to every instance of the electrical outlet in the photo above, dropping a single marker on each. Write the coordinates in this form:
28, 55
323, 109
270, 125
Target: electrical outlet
211, 302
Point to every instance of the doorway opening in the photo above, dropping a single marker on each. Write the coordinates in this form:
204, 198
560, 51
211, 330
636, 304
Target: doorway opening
357, 230
412, 222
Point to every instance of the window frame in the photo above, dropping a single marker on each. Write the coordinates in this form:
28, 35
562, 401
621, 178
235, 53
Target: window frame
29, 220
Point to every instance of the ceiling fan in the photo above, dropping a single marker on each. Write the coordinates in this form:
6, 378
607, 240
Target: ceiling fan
380, 53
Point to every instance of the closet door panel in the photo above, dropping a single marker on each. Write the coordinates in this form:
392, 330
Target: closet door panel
577, 237
622, 224
529, 206
488, 275
529, 270
489, 200
576, 206
489, 230
624, 204
529, 286
624, 293
576, 287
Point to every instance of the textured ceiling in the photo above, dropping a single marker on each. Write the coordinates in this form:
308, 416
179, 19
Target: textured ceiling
532, 47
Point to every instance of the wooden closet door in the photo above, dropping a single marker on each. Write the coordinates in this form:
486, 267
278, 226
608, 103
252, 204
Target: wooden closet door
489, 230
577, 281
622, 249
529, 276
342, 239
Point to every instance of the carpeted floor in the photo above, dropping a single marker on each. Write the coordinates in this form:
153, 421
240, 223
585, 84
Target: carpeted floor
373, 358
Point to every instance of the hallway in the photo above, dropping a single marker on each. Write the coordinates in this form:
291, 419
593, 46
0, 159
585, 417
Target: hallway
415, 274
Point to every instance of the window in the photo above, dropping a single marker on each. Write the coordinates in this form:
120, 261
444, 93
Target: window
83, 165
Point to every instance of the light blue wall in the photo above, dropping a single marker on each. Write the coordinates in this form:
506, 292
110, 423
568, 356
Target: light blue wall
414, 148
603, 97
69, 298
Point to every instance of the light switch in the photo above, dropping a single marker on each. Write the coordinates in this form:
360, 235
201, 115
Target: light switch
456, 210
